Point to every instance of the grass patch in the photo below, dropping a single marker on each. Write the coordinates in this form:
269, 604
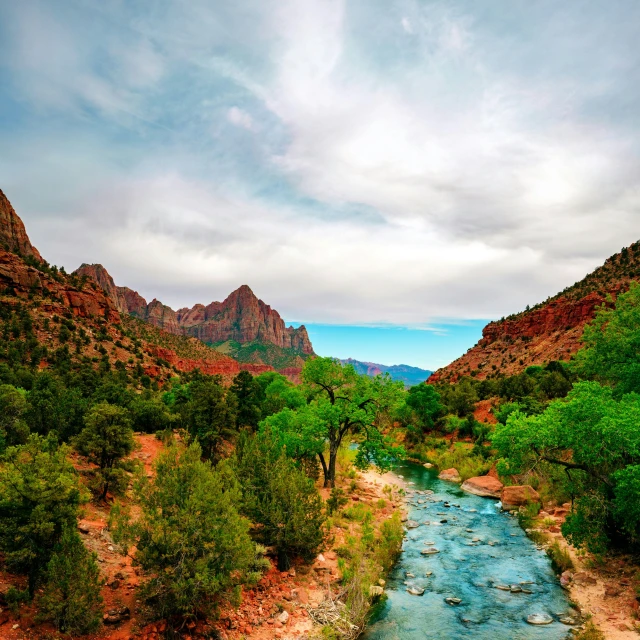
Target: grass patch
560, 558
591, 632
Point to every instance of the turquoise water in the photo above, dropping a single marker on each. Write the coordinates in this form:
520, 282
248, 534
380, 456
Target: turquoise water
467, 570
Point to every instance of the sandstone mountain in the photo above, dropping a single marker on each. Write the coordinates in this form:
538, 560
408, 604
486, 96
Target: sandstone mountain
13, 235
549, 331
240, 320
83, 317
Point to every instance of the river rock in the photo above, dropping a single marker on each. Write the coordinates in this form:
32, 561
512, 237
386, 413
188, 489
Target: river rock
415, 591
518, 496
450, 475
453, 601
429, 551
483, 486
539, 618
412, 524
375, 591
427, 465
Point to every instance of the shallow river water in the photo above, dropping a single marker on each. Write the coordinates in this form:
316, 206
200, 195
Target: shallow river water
467, 570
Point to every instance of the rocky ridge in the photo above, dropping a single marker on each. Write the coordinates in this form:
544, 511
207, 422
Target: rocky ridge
549, 331
242, 317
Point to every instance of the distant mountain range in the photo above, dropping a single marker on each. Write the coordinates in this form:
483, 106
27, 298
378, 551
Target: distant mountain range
403, 372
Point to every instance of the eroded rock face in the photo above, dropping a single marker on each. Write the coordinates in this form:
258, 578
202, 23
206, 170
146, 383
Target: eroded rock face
518, 496
13, 235
100, 275
242, 317
484, 486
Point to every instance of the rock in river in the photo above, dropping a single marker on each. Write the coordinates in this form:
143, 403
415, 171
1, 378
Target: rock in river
412, 524
429, 551
415, 591
539, 618
483, 486
451, 475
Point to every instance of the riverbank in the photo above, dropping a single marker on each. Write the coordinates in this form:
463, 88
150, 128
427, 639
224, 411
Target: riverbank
283, 604
605, 592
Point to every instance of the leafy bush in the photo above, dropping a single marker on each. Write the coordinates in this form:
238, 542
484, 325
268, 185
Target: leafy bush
71, 596
189, 537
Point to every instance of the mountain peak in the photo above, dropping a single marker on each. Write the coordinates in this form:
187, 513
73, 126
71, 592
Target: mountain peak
13, 233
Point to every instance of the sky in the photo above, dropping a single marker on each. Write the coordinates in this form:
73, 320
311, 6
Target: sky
372, 168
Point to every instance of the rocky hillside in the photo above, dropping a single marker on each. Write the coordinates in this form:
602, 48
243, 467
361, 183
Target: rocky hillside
242, 325
79, 317
402, 372
548, 331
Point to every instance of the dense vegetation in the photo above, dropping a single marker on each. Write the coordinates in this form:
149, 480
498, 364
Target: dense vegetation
236, 473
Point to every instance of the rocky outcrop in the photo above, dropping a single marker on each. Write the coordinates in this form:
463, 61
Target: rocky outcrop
135, 303
242, 317
13, 235
450, 475
551, 330
518, 496
100, 276
484, 486
23, 280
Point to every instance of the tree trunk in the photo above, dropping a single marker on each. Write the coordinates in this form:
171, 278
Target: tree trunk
333, 454
325, 471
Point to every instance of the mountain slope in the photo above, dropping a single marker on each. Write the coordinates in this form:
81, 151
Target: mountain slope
257, 331
72, 319
402, 372
548, 331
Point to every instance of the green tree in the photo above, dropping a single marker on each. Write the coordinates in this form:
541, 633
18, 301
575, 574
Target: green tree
612, 344
71, 596
149, 414
420, 410
595, 438
279, 497
13, 406
249, 396
190, 539
211, 415
342, 402
106, 439
39, 496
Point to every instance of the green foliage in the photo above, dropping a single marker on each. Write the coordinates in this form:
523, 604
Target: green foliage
189, 538
211, 417
13, 406
336, 500
250, 397
560, 558
39, 498
279, 497
595, 438
71, 596
421, 409
340, 403
612, 342
106, 439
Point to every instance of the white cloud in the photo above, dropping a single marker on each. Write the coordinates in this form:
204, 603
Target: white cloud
241, 119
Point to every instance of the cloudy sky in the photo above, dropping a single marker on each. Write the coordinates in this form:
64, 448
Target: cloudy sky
410, 165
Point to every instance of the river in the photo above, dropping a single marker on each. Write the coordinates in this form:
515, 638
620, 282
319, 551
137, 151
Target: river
479, 547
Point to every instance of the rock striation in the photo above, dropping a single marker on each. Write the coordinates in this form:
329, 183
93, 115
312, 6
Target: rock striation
13, 235
101, 277
242, 317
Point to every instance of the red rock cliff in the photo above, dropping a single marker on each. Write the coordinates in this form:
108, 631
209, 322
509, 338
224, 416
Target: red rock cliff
13, 235
100, 275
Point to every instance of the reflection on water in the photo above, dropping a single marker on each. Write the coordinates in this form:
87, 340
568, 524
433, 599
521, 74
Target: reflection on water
479, 548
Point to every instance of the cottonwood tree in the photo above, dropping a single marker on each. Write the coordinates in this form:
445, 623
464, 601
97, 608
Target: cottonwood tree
340, 403
595, 439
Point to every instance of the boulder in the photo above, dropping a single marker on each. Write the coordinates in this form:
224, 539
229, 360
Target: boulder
518, 496
484, 486
450, 475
